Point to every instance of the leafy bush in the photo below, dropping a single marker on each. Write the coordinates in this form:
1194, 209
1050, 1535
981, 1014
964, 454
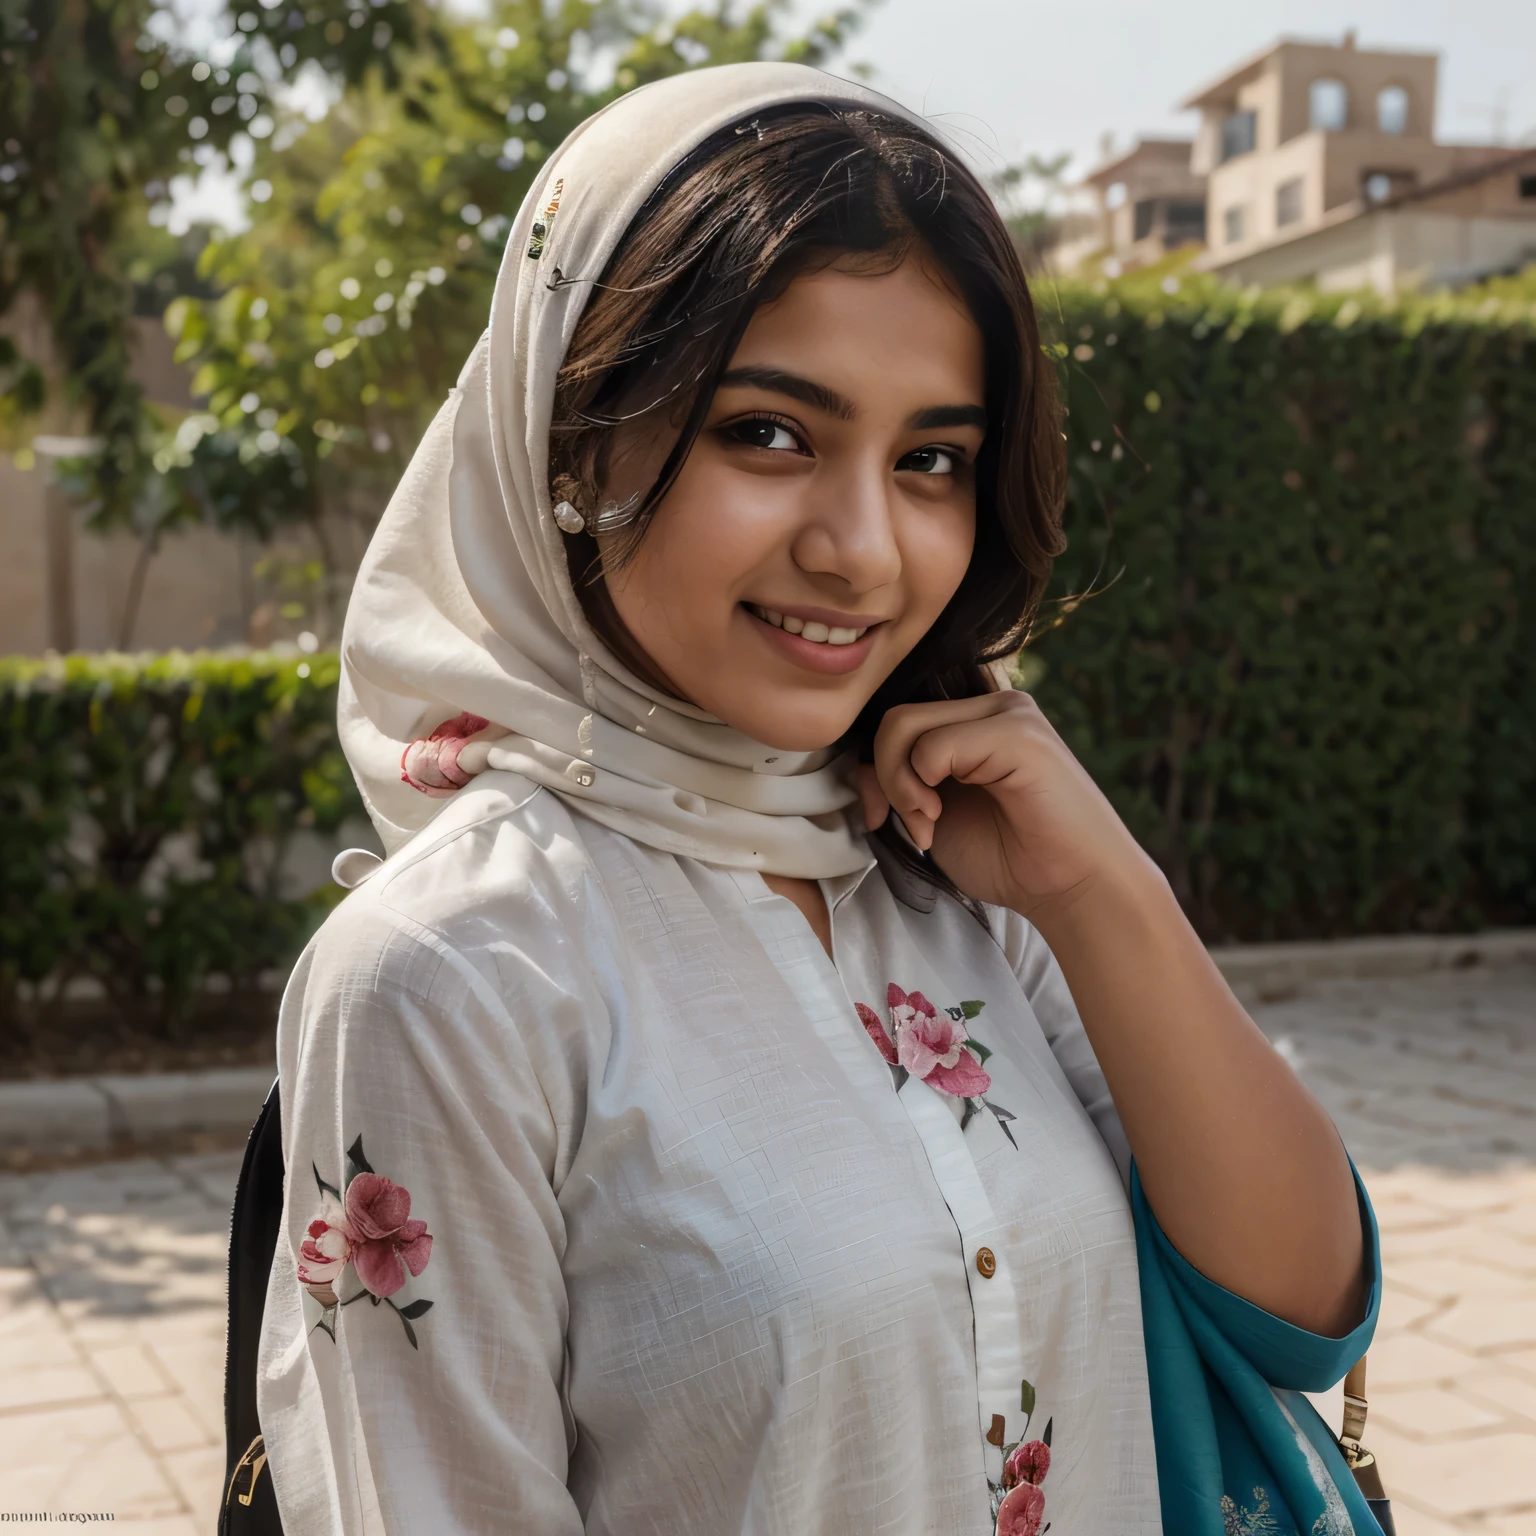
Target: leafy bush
1306, 677
147, 805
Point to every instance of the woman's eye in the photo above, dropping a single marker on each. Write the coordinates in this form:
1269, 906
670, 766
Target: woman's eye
762, 432
930, 461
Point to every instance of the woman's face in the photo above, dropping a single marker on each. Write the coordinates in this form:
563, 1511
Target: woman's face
825, 515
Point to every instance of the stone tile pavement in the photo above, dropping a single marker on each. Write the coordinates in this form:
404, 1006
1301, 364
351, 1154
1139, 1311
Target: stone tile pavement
112, 1276
1432, 1080
112, 1282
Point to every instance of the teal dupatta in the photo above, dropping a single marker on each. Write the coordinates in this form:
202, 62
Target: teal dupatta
1240, 1452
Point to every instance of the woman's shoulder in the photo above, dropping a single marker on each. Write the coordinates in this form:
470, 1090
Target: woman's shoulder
463, 962
502, 868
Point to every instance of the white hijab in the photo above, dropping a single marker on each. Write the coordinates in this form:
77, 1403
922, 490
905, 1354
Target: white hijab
464, 606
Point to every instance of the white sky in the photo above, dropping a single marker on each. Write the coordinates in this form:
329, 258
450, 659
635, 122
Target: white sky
1010, 77
1024, 76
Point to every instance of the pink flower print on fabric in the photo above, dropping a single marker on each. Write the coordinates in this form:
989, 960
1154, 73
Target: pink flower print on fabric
1023, 1507
370, 1228
325, 1251
931, 1046
1022, 1510
1028, 1464
935, 1046
876, 1032
431, 763
386, 1241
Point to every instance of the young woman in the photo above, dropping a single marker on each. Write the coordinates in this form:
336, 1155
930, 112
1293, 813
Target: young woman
716, 1114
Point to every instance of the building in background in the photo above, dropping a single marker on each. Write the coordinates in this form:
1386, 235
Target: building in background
1317, 162
1452, 230
1321, 164
1150, 202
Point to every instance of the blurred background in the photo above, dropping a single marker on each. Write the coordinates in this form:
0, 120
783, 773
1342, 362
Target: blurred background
1285, 262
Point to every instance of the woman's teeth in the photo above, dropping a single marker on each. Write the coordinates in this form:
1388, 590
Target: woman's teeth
821, 634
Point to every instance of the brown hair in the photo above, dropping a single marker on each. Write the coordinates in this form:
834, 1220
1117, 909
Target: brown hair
752, 208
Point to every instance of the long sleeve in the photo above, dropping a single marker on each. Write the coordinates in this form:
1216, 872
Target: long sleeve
421, 1148
1051, 1000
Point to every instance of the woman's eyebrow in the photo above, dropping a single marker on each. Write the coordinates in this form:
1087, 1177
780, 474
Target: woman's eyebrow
792, 384
948, 416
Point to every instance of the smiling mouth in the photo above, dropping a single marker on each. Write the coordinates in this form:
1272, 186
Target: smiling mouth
817, 634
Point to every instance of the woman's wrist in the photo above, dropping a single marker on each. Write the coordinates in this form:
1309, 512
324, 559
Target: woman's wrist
1113, 901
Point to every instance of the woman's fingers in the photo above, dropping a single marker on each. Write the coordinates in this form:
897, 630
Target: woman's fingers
983, 751
871, 796
909, 779
918, 804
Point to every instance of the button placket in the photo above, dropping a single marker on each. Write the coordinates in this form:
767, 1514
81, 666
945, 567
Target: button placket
994, 1302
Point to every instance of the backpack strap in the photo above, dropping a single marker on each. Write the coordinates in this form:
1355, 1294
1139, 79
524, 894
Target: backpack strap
250, 1504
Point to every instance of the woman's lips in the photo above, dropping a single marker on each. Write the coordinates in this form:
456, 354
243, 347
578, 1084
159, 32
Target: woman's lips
816, 655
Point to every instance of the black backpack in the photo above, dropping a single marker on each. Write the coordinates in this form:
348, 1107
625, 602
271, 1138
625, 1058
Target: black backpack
250, 1505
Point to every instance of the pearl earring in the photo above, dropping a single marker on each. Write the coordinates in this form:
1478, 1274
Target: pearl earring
569, 518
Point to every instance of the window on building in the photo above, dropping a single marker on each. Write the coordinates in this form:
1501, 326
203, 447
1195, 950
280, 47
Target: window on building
1528, 186
1143, 217
1288, 201
1114, 195
1233, 223
1328, 105
1239, 134
1392, 109
1184, 221
1378, 187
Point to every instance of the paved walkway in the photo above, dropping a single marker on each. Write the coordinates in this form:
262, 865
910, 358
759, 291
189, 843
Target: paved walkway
112, 1277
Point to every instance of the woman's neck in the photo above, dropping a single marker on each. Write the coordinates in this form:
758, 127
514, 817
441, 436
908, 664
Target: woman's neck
806, 894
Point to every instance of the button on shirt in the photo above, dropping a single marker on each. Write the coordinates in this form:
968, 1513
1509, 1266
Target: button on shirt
702, 1258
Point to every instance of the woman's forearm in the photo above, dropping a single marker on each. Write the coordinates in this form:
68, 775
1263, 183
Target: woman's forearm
1241, 1164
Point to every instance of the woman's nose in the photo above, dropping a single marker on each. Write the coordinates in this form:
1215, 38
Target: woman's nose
849, 531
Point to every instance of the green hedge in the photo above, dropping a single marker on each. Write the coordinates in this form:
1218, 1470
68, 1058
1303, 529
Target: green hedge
1306, 676
146, 806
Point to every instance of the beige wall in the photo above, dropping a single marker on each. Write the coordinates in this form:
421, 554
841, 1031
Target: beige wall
201, 588
62, 586
198, 589
24, 570
1364, 74
1332, 168
1251, 181
1392, 248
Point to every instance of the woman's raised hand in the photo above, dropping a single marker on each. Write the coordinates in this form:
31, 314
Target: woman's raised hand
988, 787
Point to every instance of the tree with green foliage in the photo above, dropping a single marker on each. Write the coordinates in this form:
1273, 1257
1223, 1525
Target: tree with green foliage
101, 105
1029, 193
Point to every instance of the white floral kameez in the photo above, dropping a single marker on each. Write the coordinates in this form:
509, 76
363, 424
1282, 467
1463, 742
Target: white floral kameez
697, 1265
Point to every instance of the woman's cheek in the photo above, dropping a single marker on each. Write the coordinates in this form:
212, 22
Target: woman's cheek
705, 539
936, 554
728, 525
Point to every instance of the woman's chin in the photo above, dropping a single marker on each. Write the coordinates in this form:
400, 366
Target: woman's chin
779, 719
